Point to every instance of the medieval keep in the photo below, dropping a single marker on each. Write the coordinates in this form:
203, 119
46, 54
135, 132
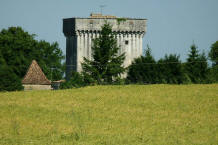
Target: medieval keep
79, 33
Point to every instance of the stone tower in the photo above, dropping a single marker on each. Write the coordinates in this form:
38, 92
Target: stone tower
79, 33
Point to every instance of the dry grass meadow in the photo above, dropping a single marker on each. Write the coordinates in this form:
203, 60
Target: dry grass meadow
111, 115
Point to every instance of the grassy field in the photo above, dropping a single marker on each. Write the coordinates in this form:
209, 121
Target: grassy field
112, 115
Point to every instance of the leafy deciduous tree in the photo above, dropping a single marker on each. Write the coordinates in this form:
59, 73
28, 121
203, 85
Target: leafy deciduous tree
9, 80
18, 48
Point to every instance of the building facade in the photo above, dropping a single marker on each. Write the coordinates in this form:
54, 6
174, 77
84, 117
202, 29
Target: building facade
80, 32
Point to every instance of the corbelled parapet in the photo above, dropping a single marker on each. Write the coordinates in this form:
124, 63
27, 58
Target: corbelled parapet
128, 25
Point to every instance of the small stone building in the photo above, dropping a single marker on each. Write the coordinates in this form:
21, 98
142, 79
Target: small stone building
35, 79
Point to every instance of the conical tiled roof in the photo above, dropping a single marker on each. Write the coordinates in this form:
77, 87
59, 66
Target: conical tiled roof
35, 76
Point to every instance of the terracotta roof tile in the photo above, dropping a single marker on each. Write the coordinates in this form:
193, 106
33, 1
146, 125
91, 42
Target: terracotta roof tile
35, 75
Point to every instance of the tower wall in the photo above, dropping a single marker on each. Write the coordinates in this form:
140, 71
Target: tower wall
80, 32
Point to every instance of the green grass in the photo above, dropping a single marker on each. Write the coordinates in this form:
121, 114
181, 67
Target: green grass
112, 115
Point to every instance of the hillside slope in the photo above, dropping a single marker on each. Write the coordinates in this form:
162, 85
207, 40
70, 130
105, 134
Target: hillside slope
112, 115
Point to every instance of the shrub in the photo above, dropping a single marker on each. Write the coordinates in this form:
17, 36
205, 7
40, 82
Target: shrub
76, 81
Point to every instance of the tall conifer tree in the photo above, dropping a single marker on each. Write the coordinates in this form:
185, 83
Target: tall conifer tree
106, 65
143, 69
196, 66
213, 55
170, 70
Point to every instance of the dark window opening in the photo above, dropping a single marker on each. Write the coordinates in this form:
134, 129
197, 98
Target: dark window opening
126, 42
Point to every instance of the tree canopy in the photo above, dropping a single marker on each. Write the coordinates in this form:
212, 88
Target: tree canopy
18, 48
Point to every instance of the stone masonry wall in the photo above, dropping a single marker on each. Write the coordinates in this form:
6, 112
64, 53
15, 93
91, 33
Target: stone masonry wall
80, 32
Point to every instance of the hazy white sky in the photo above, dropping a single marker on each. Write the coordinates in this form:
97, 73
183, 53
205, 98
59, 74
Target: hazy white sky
172, 26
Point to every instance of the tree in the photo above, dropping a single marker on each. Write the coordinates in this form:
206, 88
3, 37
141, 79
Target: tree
9, 80
51, 60
19, 48
213, 74
213, 54
76, 81
143, 69
196, 66
106, 66
170, 70
2, 60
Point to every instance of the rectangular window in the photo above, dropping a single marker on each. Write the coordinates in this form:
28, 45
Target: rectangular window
126, 42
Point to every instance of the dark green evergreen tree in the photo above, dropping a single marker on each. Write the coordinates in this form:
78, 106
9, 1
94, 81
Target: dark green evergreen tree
106, 66
143, 69
213, 74
196, 66
204, 69
213, 54
170, 70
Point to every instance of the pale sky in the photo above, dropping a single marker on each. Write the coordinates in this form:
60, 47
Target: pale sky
173, 25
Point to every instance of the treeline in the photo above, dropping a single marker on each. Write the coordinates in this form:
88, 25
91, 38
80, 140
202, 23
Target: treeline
17, 50
167, 70
106, 66
170, 69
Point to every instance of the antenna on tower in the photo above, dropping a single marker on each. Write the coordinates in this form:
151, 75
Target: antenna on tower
102, 7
